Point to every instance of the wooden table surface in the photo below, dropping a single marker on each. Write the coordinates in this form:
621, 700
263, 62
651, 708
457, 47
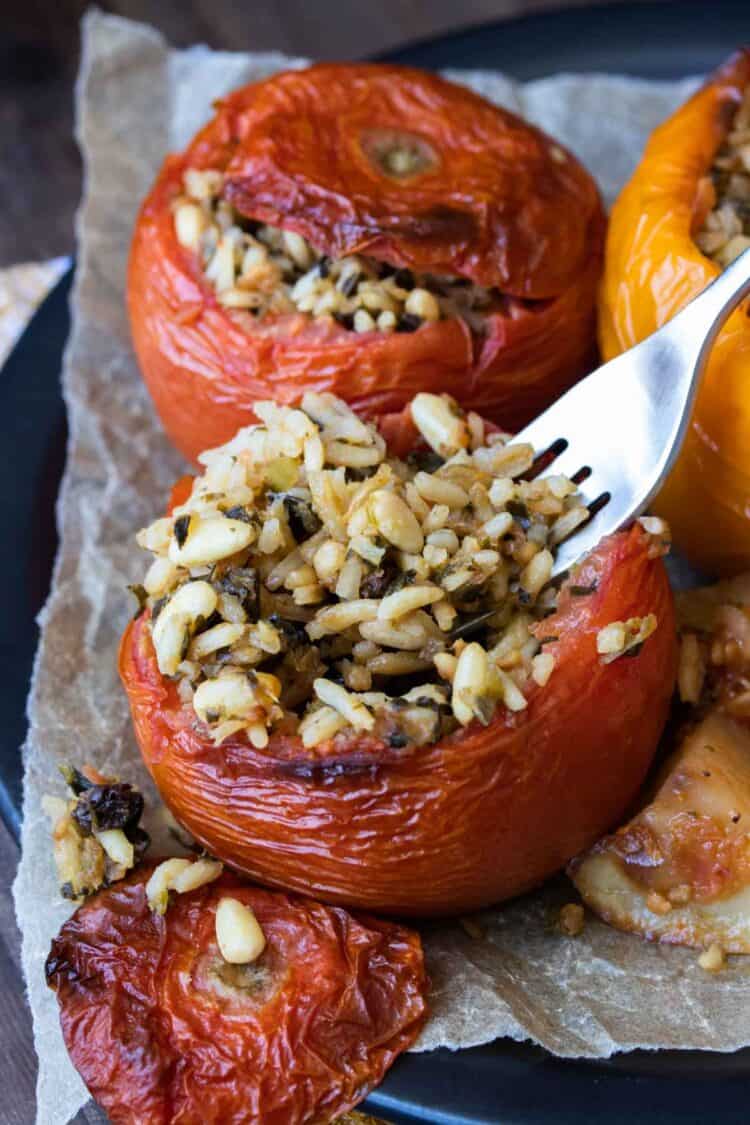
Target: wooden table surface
39, 191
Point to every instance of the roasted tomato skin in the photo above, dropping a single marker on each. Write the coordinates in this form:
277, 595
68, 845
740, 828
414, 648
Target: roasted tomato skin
159, 1036
521, 219
481, 816
653, 267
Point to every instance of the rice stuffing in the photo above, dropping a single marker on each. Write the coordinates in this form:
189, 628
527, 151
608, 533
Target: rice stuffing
714, 661
311, 585
262, 270
726, 230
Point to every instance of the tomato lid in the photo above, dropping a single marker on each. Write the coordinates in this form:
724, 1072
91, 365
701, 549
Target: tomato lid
411, 169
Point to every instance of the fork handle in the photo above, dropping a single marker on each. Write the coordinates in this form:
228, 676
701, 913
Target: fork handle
699, 323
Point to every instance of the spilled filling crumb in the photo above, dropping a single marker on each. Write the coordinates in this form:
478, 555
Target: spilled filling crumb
267, 271
313, 585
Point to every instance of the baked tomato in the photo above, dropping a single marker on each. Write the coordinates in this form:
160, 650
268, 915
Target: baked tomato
162, 1028
483, 814
682, 218
369, 230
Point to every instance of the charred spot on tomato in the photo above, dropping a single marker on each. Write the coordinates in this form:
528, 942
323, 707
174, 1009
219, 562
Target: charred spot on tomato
583, 591
57, 966
398, 153
436, 224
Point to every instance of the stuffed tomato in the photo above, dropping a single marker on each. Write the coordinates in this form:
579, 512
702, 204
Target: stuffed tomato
367, 230
186, 995
352, 675
682, 218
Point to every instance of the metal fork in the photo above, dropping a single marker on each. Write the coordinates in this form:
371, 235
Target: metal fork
617, 432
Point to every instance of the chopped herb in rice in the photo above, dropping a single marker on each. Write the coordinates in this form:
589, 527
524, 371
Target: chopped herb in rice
262, 270
313, 585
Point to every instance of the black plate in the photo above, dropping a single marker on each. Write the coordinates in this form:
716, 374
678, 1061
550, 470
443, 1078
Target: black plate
502, 1082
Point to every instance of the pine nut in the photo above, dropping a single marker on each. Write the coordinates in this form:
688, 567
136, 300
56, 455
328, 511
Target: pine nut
238, 933
346, 704
566, 524
537, 573
231, 696
297, 249
160, 577
713, 959
396, 522
542, 667
411, 633
469, 682
337, 618
190, 222
195, 875
171, 632
438, 421
318, 726
421, 303
328, 561
220, 636
363, 322
117, 846
440, 491
160, 883
405, 601
209, 540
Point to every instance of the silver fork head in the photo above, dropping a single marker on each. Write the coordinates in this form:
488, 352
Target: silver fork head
619, 430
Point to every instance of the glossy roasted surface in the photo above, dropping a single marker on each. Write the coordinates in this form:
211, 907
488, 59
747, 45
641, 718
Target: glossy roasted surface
442, 828
161, 1028
653, 268
524, 218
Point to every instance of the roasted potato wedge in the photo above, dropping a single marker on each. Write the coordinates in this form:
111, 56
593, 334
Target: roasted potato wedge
679, 871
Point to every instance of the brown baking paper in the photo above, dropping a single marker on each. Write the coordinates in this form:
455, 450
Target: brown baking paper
589, 996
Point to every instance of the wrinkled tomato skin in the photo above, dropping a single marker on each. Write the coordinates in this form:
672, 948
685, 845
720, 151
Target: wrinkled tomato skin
158, 1040
476, 818
205, 366
653, 268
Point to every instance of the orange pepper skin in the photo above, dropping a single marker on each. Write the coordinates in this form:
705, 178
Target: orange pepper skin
162, 1030
504, 206
483, 815
652, 269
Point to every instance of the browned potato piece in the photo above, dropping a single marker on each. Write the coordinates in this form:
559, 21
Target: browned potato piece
679, 871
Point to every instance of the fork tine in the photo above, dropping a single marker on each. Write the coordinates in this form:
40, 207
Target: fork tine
585, 537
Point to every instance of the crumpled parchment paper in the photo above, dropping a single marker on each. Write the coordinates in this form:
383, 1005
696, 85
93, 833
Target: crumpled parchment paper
591, 996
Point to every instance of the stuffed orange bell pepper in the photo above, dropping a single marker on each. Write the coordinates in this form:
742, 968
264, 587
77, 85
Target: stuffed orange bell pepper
368, 230
683, 216
352, 676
